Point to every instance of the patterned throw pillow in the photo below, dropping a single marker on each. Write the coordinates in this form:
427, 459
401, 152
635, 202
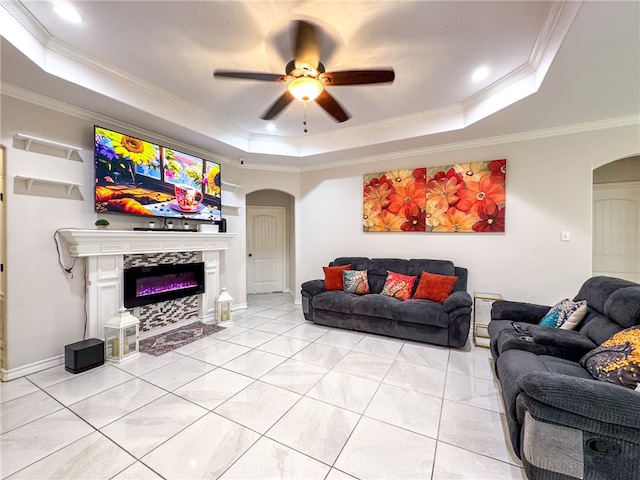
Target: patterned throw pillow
551, 318
571, 313
355, 281
333, 277
398, 285
565, 314
435, 287
617, 360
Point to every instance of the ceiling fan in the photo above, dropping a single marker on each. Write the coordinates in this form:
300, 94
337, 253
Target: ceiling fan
306, 77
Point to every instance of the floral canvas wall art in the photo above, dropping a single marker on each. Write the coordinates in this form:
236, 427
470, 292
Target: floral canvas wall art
395, 201
467, 197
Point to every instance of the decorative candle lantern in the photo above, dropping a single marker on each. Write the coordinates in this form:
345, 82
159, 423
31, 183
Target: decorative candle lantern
121, 334
224, 306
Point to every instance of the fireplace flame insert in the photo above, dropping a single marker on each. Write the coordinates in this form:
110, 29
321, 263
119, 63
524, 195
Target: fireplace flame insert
159, 283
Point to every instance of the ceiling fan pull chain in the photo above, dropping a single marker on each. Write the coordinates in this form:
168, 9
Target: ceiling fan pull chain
305, 118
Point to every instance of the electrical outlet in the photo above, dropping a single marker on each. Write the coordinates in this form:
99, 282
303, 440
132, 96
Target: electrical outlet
565, 236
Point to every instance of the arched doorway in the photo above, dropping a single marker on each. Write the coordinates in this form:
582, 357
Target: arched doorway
616, 219
270, 242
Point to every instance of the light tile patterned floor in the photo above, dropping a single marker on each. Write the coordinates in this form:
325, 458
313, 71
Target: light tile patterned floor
272, 396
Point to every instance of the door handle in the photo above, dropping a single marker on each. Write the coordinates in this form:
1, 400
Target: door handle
251, 254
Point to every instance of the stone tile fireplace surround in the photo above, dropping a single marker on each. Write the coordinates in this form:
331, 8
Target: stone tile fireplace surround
108, 252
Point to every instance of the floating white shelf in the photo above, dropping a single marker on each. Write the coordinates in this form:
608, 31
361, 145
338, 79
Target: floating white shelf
47, 181
29, 140
231, 207
230, 187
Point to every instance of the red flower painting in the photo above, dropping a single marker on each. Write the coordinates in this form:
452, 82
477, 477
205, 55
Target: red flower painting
466, 197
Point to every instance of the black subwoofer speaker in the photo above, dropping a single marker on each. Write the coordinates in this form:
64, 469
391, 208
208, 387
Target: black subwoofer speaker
85, 355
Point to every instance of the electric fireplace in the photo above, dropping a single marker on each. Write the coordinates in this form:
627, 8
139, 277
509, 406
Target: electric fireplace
159, 283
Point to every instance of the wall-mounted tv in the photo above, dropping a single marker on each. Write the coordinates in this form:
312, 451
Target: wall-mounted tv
141, 178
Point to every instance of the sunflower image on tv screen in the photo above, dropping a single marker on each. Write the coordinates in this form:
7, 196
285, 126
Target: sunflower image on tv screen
142, 178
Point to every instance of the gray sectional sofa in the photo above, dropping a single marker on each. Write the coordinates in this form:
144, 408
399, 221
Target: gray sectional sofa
422, 320
563, 423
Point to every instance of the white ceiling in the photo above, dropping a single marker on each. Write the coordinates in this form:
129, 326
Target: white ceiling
149, 64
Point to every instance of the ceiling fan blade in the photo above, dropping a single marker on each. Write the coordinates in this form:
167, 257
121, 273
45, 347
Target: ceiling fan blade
306, 46
358, 77
263, 77
285, 99
332, 107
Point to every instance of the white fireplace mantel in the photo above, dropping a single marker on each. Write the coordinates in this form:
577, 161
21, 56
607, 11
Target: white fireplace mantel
104, 251
88, 243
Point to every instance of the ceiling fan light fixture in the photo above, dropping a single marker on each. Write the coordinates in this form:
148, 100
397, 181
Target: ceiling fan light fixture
305, 89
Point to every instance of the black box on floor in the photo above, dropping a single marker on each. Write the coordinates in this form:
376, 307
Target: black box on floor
85, 355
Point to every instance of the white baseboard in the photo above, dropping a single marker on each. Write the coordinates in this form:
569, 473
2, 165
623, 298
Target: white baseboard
35, 367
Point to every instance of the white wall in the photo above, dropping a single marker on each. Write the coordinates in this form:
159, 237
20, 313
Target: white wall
548, 191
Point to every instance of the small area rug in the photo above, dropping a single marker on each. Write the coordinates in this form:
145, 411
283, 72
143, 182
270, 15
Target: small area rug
165, 342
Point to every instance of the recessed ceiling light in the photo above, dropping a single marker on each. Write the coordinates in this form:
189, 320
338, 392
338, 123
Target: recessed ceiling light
68, 12
271, 127
480, 74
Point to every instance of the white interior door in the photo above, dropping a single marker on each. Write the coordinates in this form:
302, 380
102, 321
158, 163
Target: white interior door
266, 229
616, 230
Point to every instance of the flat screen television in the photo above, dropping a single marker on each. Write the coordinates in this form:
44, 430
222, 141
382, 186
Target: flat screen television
137, 177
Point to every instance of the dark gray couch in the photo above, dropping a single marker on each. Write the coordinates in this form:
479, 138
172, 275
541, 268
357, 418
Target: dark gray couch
422, 320
563, 423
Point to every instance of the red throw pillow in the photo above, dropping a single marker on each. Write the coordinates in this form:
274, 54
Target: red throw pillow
333, 277
434, 287
398, 285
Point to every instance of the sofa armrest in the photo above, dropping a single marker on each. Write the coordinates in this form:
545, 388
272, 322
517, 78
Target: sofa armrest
557, 337
313, 287
456, 300
518, 311
593, 399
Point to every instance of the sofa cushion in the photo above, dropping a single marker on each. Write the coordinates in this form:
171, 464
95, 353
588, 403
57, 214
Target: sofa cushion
617, 360
333, 277
596, 291
398, 286
424, 312
598, 328
334, 301
623, 306
355, 281
375, 305
514, 363
357, 263
434, 287
379, 268
440, 267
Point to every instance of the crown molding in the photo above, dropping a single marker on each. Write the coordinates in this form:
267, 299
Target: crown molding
24, 17
56, 105
103, 120
629, 120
